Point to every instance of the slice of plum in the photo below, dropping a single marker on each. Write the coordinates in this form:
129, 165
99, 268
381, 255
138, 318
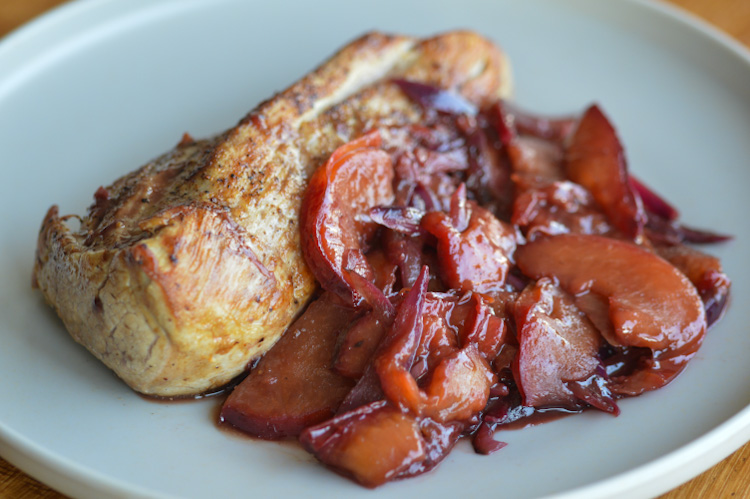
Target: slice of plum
439, 337
371, 445
535, 162
364, 334
476, 257
389, 372
706, 274
334, 222
459, 387
596, 308
651, 303
359, 345
377, 443
481, 327
595, 159
395, 356
557, 344
558, 208
438, 440
366, 391
452, 323
293, 385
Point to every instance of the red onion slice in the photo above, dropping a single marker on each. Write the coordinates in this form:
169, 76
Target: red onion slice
436, 98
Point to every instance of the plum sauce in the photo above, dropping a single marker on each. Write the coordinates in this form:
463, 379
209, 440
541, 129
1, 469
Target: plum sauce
485, 270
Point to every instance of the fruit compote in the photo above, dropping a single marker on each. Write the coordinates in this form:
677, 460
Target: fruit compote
477, 271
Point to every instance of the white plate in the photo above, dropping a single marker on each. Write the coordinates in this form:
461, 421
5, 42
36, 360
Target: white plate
96, 88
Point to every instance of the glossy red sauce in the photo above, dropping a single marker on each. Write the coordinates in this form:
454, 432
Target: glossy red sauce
484, 270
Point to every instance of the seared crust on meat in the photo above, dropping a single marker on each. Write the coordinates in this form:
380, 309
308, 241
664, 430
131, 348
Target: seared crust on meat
188, 268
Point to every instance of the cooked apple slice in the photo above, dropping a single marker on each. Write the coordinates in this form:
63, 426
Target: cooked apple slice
595, 159
293, 385
557, 343
334, 222
651, 303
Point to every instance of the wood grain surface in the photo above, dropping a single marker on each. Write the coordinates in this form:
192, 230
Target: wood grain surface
728, 479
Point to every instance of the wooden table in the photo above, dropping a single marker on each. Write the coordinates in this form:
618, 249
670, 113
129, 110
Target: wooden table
730, 478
